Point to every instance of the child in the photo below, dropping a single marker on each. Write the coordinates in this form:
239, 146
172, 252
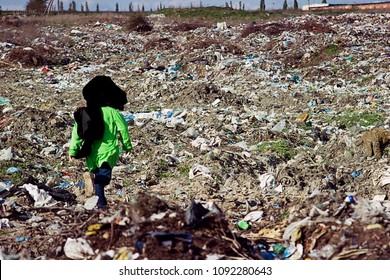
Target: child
102, 94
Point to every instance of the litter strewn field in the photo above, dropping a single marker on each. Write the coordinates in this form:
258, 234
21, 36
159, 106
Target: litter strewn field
247, 139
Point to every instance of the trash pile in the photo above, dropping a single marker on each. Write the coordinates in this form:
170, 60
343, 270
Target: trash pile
248, 141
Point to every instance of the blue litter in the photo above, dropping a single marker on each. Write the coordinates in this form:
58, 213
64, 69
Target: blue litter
312, 103
64, 185
8, 183
267, 255
350, 199
129, 118
288, 252
356, 173
4, 100
21, 239
12, 170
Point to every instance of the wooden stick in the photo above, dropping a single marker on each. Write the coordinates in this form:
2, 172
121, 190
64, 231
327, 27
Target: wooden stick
7, 63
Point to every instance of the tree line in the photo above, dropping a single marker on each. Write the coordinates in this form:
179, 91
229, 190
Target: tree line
41, 6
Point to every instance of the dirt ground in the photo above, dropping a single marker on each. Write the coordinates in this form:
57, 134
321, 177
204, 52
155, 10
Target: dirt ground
244, 140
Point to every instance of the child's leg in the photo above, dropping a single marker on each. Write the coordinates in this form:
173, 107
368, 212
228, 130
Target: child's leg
102, 178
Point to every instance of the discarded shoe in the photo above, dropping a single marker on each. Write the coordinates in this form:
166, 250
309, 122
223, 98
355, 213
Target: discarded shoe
88, 184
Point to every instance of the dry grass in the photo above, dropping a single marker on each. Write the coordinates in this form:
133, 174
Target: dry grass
190, 25
21, 35
65, 20
22, 30
70, 20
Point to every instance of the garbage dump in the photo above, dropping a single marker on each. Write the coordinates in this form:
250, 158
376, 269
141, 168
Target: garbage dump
265, 140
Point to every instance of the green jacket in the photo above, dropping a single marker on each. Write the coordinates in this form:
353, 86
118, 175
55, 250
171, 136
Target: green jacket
106, 149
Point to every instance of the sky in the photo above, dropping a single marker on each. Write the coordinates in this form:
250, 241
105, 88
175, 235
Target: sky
109, 5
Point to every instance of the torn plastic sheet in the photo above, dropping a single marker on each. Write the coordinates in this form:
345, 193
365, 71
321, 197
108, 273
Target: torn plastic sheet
199, 170
254, 216
91, 202
201, 143
41, 197
197, 211
267, 180
6, 154
77, 249
166, 116
4, 223
385, 178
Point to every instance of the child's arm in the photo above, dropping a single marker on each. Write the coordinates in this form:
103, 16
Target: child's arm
75, 142
123, 132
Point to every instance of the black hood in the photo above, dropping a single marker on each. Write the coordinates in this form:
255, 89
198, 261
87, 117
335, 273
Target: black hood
102, 91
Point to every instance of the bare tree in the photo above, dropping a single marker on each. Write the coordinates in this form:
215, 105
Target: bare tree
36, 6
